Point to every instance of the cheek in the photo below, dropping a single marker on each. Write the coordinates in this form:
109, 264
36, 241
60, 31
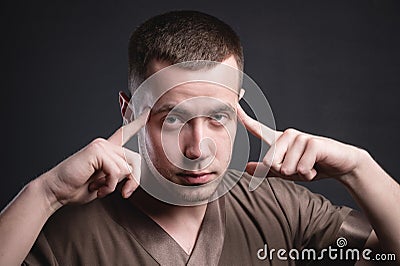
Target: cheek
224, 149
153, 140
161, 147
171, 144
224, 142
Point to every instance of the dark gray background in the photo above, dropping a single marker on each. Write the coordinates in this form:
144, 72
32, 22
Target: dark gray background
327, 67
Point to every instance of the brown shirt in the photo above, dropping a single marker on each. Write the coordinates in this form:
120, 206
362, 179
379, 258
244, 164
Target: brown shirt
277, 215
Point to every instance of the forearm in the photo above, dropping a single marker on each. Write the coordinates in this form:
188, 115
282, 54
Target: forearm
378, 195
22, 220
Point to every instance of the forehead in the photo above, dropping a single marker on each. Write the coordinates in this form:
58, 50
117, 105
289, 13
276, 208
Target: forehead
225, 93
198, 90
181, 82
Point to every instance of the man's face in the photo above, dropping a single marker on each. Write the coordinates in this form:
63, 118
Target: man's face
190, 133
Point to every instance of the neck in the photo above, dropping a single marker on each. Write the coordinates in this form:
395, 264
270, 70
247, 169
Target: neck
162, 212
182, 223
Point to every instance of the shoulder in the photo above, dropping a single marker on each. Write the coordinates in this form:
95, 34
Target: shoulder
89, 234
284, 201
72, 222
77, 214
270, 189
267, 213
274, 196
284, 193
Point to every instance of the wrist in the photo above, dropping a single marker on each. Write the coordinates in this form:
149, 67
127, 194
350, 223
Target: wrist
41, 186
364, 163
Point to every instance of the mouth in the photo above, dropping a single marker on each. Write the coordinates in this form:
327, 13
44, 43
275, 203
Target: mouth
196, 178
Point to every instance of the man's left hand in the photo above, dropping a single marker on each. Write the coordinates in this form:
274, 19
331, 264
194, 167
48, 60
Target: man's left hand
300, 156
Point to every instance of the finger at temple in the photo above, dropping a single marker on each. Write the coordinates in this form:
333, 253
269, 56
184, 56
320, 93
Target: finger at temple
256, 128
132, 128
125, 133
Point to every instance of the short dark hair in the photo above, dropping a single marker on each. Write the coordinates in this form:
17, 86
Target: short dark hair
179, 36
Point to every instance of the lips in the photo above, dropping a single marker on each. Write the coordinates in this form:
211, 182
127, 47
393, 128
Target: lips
196, 178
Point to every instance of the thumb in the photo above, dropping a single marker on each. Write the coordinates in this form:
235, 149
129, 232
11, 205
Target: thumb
257, 169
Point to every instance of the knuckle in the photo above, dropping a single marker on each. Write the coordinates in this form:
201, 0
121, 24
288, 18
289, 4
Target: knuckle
302, 169
290, 132
285, 170
97, 143
313, 143
267, 161
118, 172
112, 172
275, 167
302, 138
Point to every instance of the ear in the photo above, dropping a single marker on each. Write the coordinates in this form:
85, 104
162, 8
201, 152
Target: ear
126, 111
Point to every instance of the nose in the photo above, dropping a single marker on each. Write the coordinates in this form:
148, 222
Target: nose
191, 135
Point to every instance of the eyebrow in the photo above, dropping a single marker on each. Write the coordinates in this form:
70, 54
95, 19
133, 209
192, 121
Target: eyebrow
164, 108
178, 110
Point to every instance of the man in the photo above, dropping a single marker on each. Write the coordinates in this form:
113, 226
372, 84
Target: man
38, 227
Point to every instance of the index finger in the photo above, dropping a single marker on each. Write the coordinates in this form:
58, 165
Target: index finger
256, 128
125, 133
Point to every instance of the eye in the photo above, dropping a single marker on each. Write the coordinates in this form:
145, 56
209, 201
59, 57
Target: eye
172, 121
219, 118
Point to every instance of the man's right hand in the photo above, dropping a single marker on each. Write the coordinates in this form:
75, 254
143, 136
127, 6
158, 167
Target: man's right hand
90, 173
95, 171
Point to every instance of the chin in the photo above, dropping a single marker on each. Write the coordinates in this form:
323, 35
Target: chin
167, 185
197, 194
